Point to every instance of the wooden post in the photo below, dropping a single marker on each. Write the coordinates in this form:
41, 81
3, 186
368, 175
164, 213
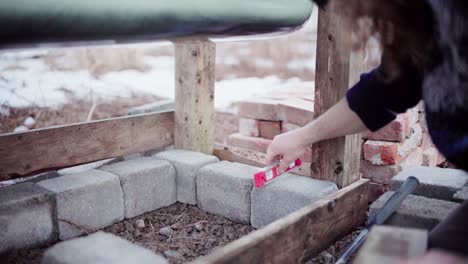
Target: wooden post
194, 95
338, 68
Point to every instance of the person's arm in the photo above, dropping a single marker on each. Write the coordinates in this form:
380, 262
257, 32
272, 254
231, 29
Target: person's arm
371, 104
338, 121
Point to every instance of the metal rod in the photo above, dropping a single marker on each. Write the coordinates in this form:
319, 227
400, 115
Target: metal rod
390, 206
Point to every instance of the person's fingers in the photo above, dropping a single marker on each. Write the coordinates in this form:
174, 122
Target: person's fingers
271, 154
284, 164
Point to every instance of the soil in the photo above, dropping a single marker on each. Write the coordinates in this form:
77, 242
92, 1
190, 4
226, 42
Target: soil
181, 233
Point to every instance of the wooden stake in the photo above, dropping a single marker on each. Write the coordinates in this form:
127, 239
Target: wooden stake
338, 68
194, 95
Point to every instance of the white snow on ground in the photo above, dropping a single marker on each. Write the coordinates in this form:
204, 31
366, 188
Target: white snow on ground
29, 122
302, 65
29, 81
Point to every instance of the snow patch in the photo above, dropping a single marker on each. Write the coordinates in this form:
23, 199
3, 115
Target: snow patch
20, 129
30, 122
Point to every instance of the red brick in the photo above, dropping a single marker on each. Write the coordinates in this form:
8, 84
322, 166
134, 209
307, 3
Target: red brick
430, 156
388, 153
262, 109
397, 131
383, 174
376, 190
296, 111
269, 129
252, 143
249, 127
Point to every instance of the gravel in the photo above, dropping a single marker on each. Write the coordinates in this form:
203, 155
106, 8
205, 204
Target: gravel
181, 233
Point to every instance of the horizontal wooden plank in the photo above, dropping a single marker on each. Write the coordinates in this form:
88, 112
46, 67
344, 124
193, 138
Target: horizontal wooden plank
387, 245
63, 146
302, 234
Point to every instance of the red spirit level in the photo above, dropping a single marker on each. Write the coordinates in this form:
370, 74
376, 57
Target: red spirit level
271, 172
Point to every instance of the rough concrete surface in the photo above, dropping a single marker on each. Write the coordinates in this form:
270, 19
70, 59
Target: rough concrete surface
186, 164
100, 248
415, 211
26, 216
147, 183
224, 189
461, 195
285, 195
86, 201
435, 183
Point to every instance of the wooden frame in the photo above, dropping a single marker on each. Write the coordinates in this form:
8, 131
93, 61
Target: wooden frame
64, 146
338, 68
291, 239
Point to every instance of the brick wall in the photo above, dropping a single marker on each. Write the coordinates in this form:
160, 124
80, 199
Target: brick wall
401, 144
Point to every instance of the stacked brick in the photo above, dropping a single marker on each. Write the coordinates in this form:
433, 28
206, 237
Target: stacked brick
261, 119
402, 144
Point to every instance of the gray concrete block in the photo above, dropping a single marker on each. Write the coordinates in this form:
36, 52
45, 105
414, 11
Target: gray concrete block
415, 211
42, 177
436, 183
100, 248
186, 164
224, 189
461, 195
27, 216
86, 201
86, 167
285, 195
161, 106
147, 183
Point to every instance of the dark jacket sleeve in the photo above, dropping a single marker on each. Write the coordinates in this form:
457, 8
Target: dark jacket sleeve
377, 102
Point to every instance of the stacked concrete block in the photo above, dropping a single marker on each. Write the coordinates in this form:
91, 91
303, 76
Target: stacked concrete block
435, 183
100, 248
461, 195
27, 216
147, 184
224, 189
284, 196
187, 164
415, 211
86, 201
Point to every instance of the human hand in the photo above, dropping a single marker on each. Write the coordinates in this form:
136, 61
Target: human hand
436, 257
287, 147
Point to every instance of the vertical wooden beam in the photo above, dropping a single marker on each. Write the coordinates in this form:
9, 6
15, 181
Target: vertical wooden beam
338, 68
194, 95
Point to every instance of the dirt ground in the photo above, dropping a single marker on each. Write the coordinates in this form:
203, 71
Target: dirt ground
181, 233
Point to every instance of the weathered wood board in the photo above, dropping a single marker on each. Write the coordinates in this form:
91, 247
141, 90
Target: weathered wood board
194, 95
64, 146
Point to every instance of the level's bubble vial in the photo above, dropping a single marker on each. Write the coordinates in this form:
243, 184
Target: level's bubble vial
269, 175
